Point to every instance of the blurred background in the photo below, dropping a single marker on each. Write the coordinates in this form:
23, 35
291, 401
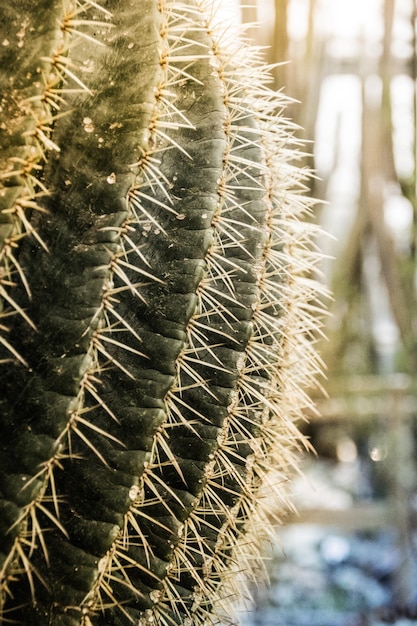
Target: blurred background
350, 556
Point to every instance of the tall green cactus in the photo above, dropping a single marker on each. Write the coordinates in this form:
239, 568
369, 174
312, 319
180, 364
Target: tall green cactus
156, 314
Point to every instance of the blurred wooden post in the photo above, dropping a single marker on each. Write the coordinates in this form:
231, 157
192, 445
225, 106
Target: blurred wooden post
401, 475
249, 13
278, 52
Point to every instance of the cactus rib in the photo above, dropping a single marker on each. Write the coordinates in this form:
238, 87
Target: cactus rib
64, 376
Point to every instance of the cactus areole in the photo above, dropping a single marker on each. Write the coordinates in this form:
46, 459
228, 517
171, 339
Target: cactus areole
157, 317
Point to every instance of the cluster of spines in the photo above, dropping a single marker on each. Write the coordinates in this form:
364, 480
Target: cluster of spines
257, 422
257, 433
33, 100
180, 32
62, 85
235, 346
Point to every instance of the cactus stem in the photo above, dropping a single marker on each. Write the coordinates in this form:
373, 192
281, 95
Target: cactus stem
170, 315
40, 100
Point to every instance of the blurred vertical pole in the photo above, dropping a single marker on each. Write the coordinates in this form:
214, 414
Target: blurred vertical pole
249, 13
401, 474
385, 70
378, 169
280, 44
298, 70
312, 72
413, 71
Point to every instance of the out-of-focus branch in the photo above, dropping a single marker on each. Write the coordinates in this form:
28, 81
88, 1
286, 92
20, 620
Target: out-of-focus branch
280, 44
373, 176
249, 15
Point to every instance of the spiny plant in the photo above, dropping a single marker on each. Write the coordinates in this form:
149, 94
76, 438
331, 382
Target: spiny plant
157, 313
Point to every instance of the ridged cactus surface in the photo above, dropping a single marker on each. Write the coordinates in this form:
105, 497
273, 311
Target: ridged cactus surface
156, 312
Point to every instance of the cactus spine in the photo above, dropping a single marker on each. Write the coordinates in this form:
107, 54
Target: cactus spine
157, 316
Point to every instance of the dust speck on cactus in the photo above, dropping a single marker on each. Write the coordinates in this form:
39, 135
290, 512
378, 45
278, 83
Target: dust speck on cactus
158, 314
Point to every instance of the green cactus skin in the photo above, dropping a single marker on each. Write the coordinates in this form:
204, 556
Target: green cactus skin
157, 319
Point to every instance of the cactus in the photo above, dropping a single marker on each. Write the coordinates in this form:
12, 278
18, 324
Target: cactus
157, 318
